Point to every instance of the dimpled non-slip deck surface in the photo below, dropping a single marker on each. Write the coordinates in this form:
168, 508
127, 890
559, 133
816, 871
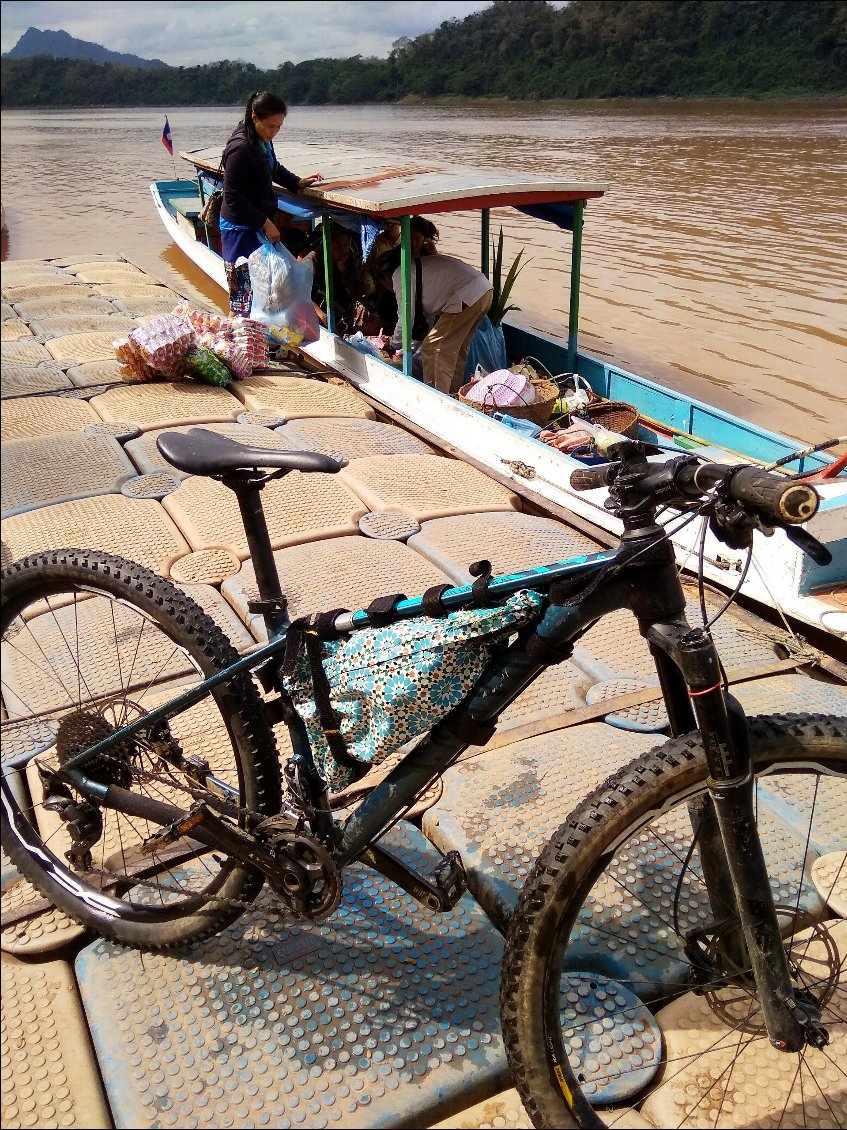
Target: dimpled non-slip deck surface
96, 373
511, 541
16, 330
430, 486
50, 1076
64, 326
43, 932
295, 397
346, 572
24, 352
162, 405
138, 529
80, 347
298, 508
22, 380
500, 807
382, 1009
354, 439
44, 415
72, 304
47, 469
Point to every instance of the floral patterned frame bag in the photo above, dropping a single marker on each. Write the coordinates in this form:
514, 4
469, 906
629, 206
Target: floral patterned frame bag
365, 695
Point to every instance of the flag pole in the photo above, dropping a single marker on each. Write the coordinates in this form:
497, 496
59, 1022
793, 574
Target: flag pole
168, 144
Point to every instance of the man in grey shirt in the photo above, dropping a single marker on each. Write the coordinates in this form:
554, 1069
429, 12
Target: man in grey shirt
455, 299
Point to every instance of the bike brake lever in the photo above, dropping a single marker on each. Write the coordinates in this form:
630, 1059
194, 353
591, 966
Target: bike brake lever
808, 544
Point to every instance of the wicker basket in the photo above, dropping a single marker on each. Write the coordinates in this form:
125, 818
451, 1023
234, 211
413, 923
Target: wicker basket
616, 415
546, 395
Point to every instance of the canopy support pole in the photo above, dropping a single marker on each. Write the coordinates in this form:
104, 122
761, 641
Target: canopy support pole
485, 264
406, 291
576, 262
326, 225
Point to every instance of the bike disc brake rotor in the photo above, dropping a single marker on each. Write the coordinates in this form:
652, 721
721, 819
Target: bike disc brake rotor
735, 1002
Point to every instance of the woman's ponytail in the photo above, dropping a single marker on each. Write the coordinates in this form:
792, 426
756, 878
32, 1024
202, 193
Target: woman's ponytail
249, 128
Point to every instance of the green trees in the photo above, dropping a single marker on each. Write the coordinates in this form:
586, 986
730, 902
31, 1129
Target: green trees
512, 49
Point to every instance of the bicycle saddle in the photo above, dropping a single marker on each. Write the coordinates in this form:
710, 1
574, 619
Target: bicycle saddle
200, 452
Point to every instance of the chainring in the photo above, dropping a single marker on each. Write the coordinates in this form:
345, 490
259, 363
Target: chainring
310, 883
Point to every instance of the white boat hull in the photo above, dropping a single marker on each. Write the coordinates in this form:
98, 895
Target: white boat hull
210, 263
542, 474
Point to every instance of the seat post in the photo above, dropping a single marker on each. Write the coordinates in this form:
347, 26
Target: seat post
271, 603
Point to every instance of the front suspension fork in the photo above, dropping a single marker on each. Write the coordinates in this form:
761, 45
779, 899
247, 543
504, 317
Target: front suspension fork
737, 876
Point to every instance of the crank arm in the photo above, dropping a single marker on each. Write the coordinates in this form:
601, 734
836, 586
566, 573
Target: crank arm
441, 895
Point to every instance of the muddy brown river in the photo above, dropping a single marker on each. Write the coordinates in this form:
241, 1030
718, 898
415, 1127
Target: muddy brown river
715, 263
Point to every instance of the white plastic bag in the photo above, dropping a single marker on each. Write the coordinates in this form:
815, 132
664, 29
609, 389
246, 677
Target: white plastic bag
282, 294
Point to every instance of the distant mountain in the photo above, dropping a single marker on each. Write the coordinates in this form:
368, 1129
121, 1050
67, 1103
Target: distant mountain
63, 46
521, 49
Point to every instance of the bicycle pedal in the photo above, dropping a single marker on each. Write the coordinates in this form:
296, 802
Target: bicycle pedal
440, 893
450, 878
173, 832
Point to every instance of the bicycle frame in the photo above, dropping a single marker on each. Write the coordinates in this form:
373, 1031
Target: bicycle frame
690, 677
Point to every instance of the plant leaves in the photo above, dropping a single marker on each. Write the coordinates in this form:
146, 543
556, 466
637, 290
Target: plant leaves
501, 289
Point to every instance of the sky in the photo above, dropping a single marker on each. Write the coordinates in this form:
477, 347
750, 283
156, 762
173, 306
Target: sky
191, 32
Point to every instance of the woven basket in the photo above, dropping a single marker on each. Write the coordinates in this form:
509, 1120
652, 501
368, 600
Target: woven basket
616, 415
546, 395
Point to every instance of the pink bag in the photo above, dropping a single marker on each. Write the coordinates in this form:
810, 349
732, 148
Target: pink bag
502, 388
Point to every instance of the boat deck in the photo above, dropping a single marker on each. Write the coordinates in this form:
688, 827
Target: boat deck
386, 1015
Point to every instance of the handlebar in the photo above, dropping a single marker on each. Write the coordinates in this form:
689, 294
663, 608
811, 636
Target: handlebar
785, 501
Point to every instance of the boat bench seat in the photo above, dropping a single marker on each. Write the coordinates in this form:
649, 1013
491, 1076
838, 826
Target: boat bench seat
188, 206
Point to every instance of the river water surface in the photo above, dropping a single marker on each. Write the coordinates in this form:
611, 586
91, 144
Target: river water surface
716, 262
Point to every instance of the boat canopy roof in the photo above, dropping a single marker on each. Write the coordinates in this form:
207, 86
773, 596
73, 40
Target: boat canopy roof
378, 187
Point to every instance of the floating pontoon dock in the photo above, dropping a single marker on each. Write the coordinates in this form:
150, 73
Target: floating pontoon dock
386, 1015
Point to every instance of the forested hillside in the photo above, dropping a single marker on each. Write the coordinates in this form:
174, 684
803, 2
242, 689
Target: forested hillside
522, 49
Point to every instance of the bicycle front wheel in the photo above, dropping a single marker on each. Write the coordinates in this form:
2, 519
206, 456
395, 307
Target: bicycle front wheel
624, 981
89, 643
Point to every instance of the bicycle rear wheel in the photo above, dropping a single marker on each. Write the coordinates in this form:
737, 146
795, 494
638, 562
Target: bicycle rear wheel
89, 643
616, 927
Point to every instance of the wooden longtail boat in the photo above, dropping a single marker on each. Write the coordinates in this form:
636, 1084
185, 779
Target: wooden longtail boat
363, 193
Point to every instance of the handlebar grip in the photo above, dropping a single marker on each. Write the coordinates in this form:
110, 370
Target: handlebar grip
788, 500
592, 478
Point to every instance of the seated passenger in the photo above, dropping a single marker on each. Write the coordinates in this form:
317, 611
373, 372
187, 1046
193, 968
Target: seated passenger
381, 303
385, 241
348, 284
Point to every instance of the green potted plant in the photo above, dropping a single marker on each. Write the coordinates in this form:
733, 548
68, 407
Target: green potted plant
502, 287
488, 348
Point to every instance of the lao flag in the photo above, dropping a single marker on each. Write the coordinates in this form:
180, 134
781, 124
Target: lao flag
166, 138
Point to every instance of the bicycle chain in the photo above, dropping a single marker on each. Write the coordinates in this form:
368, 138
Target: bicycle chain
222, 806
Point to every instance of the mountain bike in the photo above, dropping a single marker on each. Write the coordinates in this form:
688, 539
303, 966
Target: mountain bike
143, 792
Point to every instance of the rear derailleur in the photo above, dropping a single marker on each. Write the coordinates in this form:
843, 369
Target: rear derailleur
81, 818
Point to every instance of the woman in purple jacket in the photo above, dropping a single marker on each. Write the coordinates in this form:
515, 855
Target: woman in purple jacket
249, 202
